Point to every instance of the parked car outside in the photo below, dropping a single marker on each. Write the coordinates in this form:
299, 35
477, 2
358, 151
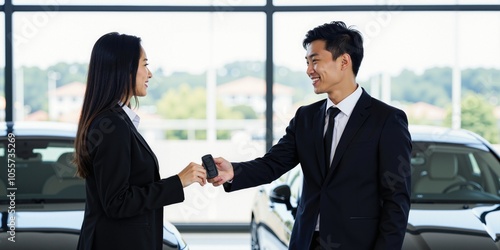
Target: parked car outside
42, 201
455, 200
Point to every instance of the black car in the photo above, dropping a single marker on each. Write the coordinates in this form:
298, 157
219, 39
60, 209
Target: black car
42, 202
455, 201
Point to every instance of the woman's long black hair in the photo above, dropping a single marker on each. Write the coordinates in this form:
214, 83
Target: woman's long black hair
111, 80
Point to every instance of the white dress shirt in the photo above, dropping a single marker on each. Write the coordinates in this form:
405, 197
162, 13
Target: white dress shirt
345, 106
132, 115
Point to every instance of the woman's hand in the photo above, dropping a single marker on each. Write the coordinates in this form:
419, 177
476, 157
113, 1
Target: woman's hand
193, 173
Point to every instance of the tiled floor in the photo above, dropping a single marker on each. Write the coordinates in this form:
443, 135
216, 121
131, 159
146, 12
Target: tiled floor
217, 241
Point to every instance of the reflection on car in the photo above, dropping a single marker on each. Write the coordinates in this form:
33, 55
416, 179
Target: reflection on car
455, 176
42, 201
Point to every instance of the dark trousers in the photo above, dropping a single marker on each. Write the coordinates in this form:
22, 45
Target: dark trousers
315, 242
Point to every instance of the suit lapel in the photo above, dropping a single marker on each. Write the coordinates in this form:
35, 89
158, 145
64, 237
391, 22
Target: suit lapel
319, 128
139, 137
356, 120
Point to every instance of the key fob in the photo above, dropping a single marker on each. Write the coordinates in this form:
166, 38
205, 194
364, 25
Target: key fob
209, 164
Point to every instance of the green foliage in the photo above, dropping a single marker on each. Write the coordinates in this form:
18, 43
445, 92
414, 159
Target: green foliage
187, 102
433, 86
35, 83
240, 69
161, 83
183, 103
483, 81
247, 111
68, 73
198, 134
181, 95
477, 116
36, 80
283, 75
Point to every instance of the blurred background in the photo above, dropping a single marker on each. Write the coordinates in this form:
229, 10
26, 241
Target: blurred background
228, 75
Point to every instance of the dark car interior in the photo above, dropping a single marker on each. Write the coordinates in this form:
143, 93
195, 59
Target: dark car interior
44, 172
441, 173
453, 173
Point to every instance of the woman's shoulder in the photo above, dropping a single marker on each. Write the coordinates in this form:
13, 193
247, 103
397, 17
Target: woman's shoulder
109, 119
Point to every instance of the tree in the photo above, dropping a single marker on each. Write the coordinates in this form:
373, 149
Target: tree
433, 86
186, 102
247, 111
477, 116
35, 84
68, 73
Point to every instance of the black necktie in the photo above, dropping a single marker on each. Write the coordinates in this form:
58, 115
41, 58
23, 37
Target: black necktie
327, 140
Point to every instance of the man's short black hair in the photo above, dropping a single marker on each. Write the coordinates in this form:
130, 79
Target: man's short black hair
339, 39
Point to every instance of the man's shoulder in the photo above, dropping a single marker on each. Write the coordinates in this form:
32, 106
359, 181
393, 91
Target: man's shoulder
314, 106
378, 104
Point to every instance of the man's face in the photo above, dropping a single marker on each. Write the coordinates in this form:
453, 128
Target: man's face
324, 72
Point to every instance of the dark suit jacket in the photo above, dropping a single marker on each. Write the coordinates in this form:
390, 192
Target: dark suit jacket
125, 196
364, 198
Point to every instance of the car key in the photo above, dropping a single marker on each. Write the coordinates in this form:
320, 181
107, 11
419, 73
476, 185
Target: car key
209, 164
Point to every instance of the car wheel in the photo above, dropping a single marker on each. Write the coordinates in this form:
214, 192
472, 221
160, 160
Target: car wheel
254, 237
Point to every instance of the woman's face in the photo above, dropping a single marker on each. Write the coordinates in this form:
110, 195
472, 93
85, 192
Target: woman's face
143, 75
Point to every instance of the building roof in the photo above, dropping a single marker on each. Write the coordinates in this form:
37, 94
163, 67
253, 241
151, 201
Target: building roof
425, 110
39, 115
71, 89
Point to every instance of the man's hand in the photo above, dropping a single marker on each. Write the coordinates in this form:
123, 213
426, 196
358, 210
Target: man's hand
226, 172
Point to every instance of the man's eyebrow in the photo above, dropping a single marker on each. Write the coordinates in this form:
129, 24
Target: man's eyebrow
311, 55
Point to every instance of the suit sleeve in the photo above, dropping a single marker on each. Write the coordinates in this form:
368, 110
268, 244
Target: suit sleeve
394, 176
111, 155
278, 160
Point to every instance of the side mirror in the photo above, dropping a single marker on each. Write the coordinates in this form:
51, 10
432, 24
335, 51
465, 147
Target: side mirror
281, 194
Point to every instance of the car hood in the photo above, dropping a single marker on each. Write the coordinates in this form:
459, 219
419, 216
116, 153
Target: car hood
70, 221
67, 222
452, 226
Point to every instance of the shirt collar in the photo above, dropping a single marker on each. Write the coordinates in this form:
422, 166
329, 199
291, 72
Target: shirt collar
347, 105
132, 115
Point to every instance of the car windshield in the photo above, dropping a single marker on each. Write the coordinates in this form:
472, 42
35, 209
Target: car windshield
41, 172
450, 173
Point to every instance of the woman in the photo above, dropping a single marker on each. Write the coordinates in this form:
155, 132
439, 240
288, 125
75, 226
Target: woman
125, 194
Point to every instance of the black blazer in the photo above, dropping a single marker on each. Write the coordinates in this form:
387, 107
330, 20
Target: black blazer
364, 199
125, 195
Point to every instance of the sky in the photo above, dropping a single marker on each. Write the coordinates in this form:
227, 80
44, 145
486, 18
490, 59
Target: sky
194, 42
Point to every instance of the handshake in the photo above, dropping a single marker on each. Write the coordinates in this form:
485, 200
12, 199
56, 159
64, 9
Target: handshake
216, 171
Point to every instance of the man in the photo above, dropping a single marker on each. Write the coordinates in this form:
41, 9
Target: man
356, 189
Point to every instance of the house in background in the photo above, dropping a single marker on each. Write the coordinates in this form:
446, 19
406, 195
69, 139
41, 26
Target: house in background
425, 113
251, 91
65, 102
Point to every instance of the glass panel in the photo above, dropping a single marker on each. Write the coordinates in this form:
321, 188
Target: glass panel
2, 66
408, 62
393, 4
197, 60
454, 173
225, 3
43, 171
